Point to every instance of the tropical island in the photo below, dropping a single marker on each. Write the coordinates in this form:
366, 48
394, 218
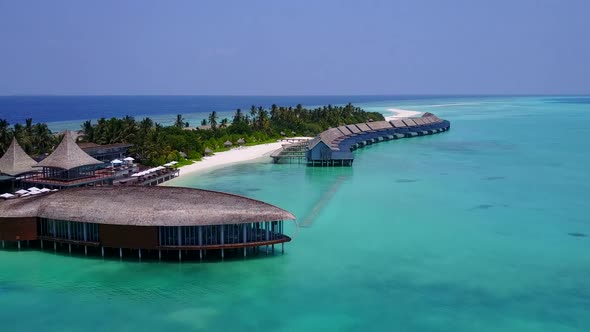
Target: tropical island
153, 144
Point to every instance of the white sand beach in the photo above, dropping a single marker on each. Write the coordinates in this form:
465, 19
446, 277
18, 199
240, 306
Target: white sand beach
400, 113
234, 156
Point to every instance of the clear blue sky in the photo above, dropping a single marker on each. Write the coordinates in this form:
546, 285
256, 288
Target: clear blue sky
295, 47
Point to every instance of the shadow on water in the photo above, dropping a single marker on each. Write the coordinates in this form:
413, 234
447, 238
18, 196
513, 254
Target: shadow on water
339, 174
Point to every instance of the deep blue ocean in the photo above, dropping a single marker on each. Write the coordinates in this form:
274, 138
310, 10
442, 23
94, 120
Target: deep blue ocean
484, 228
68, 112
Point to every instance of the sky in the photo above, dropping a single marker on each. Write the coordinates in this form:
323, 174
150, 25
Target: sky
294, 47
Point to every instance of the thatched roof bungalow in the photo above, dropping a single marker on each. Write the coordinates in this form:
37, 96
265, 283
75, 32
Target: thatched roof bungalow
68, 165
16, 161
152, 218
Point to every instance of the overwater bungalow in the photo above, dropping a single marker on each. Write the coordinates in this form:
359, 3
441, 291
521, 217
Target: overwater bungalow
334, 146
69, 166
144, 221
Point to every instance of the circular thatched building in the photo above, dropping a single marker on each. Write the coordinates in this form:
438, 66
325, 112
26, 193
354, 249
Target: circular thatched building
156, 219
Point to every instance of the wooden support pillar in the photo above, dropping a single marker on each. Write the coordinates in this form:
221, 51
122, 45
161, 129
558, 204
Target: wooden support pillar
41, 244
180, 255
273, 249
102, 251
3, 244
54, 246
201, 254
120, 253
86, 250
18, 242
222, 254
159, 254
139, 253
70, 248
283, 248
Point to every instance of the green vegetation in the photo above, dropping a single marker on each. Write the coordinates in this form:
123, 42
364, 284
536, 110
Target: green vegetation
154, 144
35, 139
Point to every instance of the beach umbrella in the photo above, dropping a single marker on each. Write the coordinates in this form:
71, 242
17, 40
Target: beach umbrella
129, 159
174, 162
22, 192
227, 144
33, 189
241, 141
167, 164
116, 161
160, 168
44, 190
7, 196
208, 151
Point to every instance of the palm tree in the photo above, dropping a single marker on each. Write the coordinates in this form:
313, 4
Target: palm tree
88, 131
179, 123
253, 113
224, 123
5, 136
213, 119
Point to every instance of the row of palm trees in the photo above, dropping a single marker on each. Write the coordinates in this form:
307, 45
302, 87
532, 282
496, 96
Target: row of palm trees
295, 119
35, 139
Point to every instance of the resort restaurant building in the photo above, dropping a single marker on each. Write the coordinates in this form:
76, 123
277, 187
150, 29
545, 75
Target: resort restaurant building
69, 166
144, 220
14, 164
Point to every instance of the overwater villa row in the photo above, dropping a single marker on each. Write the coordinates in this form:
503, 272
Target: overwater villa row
334, 146
144, 221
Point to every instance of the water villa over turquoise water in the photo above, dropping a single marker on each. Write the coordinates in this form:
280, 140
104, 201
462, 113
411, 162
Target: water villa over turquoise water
145, 221
334, 146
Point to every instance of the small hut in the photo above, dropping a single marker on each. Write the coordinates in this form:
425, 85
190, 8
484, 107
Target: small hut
283, 133
241, 141
227, 144
16, 161
208, 152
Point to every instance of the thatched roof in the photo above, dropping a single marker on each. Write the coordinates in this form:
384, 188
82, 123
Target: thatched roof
16, 161
209, 151
144, 206
241, 141
227, 143
68, 155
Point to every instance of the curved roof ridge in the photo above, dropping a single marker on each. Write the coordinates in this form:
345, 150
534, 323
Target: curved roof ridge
68, 155
16, 161
144, 206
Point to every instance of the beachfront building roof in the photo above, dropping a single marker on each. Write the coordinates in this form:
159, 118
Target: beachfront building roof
16, 161
69, 166
68, 155
153, 218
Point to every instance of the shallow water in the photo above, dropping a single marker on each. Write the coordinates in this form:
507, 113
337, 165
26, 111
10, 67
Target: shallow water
469, 230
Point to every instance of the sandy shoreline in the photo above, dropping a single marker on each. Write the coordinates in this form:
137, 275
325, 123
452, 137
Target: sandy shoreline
233, 156
251, 153
400, 113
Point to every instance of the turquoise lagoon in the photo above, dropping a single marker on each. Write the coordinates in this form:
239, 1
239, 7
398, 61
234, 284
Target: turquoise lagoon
477, 229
